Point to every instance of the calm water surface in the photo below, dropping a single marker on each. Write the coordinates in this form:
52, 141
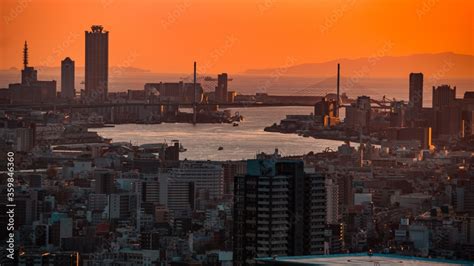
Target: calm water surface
243, 142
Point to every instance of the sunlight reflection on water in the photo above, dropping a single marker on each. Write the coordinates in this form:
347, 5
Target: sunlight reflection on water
242, 142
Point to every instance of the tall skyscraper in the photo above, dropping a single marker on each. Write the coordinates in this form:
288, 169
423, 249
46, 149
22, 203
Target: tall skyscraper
221, 89
443, 95
279, 210
97, 63
448, 113
416, 91
67, 79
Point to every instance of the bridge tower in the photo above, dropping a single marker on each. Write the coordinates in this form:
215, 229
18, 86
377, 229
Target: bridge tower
194, 100
338, 103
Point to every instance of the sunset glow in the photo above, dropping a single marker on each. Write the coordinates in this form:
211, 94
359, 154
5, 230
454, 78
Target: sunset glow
166, 36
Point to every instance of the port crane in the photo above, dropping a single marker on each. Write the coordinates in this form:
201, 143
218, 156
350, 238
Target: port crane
205, 78
385, 103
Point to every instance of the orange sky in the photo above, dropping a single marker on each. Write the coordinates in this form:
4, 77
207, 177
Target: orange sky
232, 35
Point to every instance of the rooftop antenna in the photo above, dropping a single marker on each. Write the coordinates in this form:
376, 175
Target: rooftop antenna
25, 55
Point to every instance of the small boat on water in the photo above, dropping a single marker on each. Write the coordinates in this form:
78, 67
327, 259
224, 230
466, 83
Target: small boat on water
235, 124
220, 148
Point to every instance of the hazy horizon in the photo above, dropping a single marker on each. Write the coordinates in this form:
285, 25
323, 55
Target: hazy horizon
276, 85
243, 71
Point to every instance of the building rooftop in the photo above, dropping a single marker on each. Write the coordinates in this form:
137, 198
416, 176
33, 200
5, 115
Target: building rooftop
359, 259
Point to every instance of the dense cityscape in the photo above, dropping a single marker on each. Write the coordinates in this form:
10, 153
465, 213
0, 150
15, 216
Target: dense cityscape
397, 188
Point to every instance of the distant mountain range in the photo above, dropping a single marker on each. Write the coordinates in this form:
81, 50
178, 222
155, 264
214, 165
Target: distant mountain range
80, 69
434, 66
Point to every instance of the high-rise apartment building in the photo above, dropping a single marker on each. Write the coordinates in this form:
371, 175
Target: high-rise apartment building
333, 214
104, 182
184, 187
279, 210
